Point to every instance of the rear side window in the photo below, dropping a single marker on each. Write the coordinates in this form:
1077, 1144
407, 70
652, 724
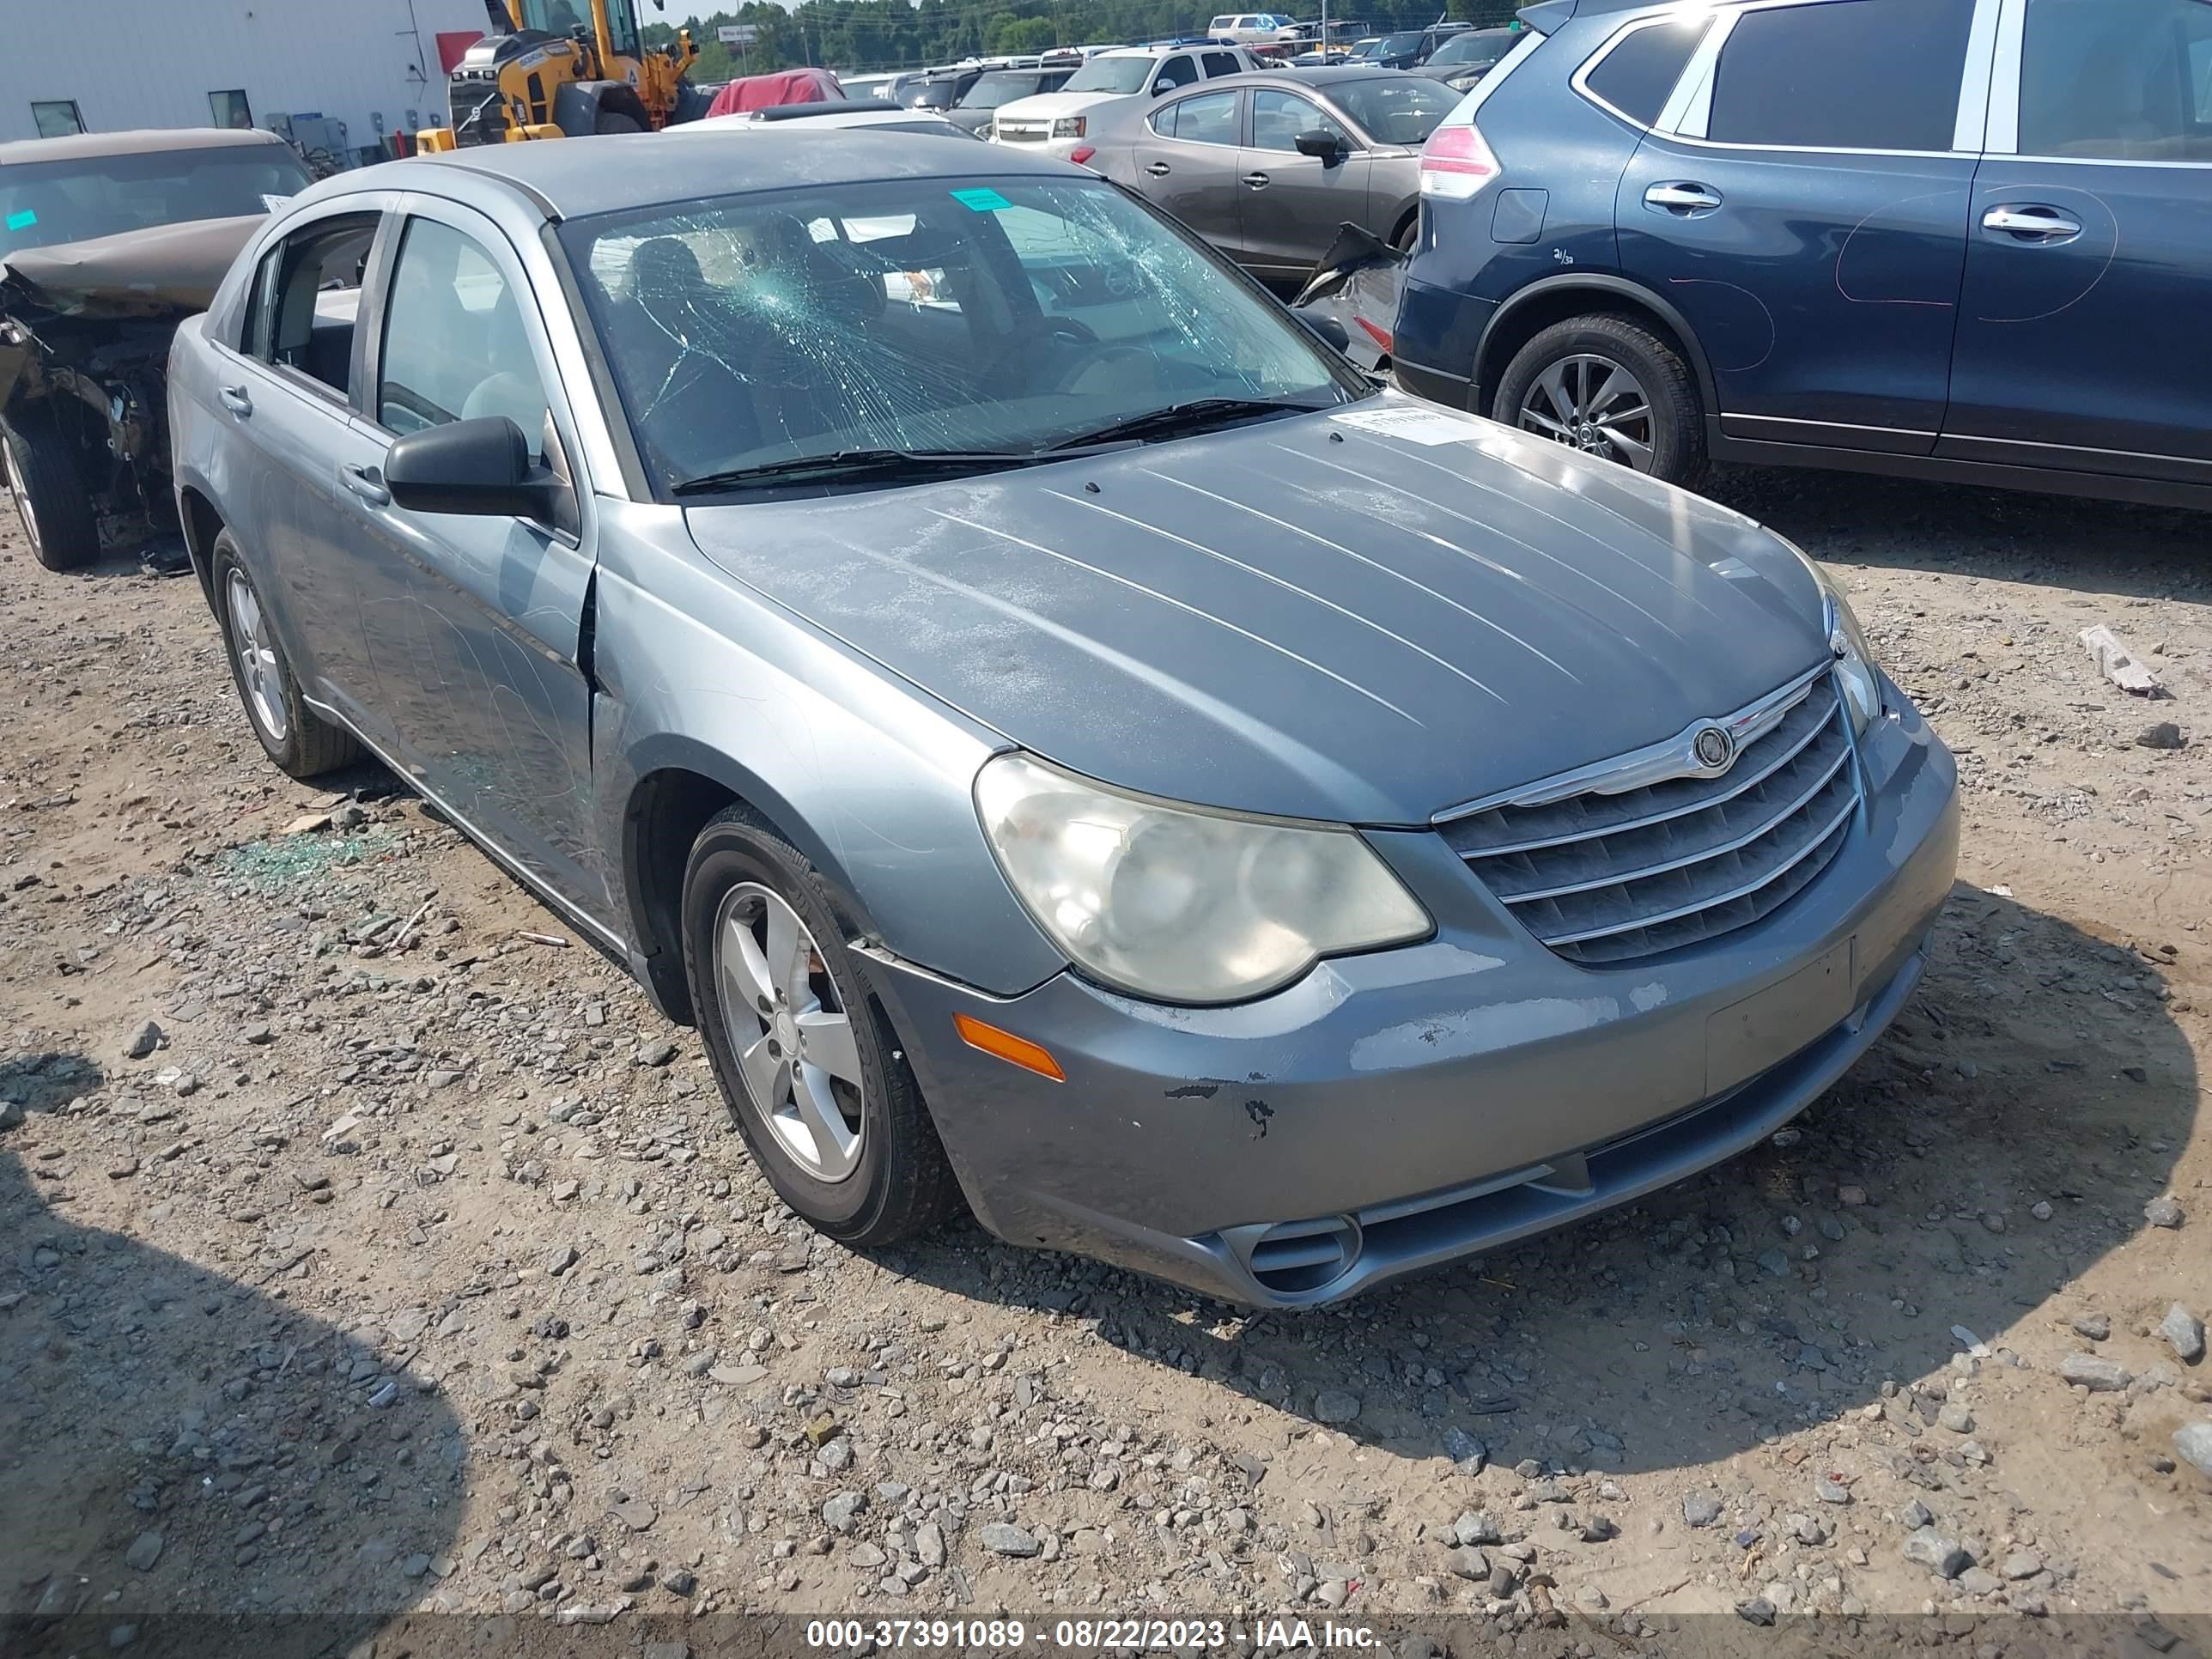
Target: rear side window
308, 300
1856, 74
1210, 118
2151, 99
1638, 74
1220, 63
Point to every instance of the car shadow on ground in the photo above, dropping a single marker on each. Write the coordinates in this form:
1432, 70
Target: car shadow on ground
2119, 548
188, 1456
2035, 1066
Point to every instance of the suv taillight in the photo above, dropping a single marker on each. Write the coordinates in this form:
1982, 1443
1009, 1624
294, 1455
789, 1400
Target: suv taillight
1456, 163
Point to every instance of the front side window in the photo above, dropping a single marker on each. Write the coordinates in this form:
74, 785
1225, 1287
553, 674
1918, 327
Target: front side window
2150, 97
231, 109
455, 346
1278, 118
1637, 77
1049, 310
1178, 71
1208, 118
1856, 74
56, 118
307, 299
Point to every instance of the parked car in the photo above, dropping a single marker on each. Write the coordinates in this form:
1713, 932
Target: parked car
938, 92
874, 114
993, 91
868, 87
1410, 48
1885, 235
1253, 28
1267, 166
107, 240
1498, 781
1057, 122
1465, 58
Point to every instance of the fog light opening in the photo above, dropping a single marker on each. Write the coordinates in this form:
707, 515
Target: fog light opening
1298, 1256
1004, 1045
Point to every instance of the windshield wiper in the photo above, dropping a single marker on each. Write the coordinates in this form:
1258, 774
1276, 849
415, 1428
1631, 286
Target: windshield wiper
1198, 414
873, 465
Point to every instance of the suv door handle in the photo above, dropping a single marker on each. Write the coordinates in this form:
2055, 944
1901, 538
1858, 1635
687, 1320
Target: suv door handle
1157, 169
1256, 181
236, 400
1683, 197
367, 482
2047, 226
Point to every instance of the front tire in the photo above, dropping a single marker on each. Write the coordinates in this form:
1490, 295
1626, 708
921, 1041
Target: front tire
1608, 387
292, 734
808, 1065
50, 497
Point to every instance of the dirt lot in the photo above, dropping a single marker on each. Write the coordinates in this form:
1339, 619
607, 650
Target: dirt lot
411, 1263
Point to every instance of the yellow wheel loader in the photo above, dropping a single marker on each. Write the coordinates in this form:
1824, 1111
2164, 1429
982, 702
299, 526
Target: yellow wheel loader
555, 76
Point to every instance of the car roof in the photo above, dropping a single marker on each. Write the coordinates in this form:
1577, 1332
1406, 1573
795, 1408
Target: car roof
142, 141
1322, 76
575, 177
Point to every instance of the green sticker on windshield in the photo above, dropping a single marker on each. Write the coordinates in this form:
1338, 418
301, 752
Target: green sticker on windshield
23, 220
982, 201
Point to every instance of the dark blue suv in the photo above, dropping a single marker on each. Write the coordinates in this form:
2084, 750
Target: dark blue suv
1945, 239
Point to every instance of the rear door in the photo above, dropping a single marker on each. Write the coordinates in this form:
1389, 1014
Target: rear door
1807, 211
1293, 203
476, 622
286, 392
2081, 338
1186, 156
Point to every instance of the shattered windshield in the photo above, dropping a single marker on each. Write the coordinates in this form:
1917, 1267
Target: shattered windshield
45, 204
932, 318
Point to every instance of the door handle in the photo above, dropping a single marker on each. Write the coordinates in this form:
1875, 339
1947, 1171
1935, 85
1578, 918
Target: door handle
1157, 169
236, 400
367, 482
1256, 181
1683, 197
2047, 226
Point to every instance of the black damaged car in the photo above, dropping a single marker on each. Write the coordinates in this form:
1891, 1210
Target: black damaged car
108, 241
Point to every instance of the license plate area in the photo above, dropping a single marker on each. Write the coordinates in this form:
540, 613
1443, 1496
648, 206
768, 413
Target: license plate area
1745, 1037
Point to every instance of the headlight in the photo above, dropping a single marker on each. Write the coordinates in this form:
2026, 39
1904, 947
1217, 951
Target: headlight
1068, 126
1855, 668
1181, 904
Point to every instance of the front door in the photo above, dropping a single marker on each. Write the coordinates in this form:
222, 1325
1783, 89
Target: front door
1808, 217
474, 623
1293, 203
2089, 265
1185, 158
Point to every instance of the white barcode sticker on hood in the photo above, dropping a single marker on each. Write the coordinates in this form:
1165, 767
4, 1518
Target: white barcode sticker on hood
1410, 421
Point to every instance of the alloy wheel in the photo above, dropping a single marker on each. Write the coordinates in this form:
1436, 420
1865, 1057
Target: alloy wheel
1592, 404
257, 669
793, 1037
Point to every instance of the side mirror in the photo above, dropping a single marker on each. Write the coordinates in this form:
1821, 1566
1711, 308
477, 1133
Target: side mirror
479, 467
1329, 331
1325, 145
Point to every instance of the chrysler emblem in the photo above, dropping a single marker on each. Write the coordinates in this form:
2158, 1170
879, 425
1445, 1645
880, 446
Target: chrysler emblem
1714, 748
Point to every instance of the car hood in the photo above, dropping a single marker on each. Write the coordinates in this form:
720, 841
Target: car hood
1307, 616
1044, 106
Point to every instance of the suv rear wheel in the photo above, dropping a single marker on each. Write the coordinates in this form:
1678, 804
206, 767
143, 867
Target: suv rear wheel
1609, 387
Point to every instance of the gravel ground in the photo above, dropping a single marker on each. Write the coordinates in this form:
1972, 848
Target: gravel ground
363, 1255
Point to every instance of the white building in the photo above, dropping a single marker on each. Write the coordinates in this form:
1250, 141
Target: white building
106, 65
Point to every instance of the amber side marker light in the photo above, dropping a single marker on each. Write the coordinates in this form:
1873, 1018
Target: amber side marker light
1015, 1051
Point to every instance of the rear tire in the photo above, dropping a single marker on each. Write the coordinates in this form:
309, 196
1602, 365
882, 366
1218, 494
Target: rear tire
876, 1175
1608, 387
51, 498
298, 739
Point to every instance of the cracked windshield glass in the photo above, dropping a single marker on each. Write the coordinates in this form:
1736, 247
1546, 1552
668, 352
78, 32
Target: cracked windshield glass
862, 328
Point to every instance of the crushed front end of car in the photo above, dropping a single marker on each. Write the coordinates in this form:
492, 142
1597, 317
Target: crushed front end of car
85, 329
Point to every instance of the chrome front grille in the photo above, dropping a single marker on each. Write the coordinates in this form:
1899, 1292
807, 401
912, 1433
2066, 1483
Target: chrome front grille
1022, 132
1604, 876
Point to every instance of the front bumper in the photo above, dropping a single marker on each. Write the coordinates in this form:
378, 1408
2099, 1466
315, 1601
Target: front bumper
1401, 1108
